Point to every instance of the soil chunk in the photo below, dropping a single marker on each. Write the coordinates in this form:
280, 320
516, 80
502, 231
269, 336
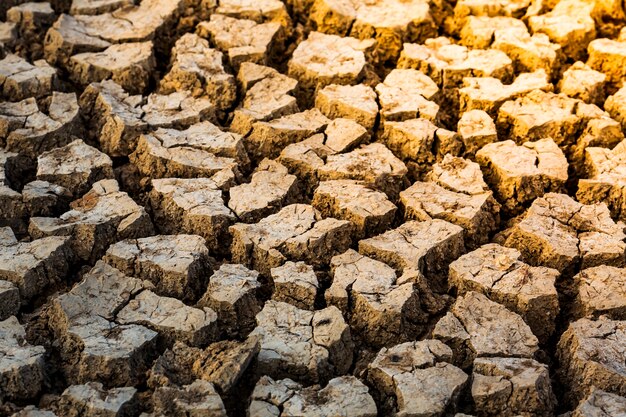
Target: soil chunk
420, 376
21, 364
283, 398
590, 355
476, 327
498, 273
295, 283
302, 344
101, 217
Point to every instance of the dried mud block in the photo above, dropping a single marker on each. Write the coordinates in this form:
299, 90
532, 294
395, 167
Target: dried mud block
21, 364
354, 102
374, 165
344, 395
615, 105
520, 174
301, 344
28, 129
267, 139
42, 198
221, 363
343, 135
9, 299
93, 346
258, 10
145, 21
250, 74
175, 366
426, 246
198, 69
600, 404
76, 167
118, 119
232, 293
465, 8
150, 20
568, 24
177, 110
304, 158
323, 59
20, 79
69, 36
224, 363
202, 150
295, 283
34, 265
196, 399
608, 57
477, 214
244, 40
419, 377
32, 20
390, 23
92, 400
539, 115
101, 217
529, 53
177, 265
270, 189
295, 233
447, 64
605, 169
488, 93
172, 319
406, 94
581, 82
563, 234
193, 206
267, 97
476, 129
498, 273
571, 123
602, 131
381, 309
591, 356
128, 64
211, 138
601, 291
476, 327
94, 7
478, 31
458, 175
511, 387
370, 211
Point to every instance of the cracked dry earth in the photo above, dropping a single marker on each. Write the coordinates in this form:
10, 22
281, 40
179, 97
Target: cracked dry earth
324, 208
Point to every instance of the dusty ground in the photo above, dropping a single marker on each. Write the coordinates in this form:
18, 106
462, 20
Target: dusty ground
318, 208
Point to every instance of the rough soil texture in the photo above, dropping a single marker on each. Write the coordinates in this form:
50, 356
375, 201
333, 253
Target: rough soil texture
312, 208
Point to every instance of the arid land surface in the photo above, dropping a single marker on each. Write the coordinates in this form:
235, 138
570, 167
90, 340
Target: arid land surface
312, 208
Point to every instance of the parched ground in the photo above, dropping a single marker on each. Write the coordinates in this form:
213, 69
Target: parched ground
312, 208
